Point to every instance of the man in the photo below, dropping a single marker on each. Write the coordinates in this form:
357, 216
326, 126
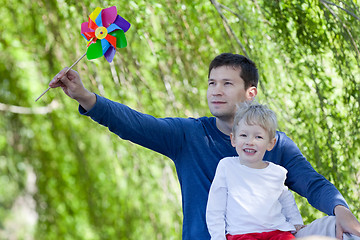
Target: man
197, 145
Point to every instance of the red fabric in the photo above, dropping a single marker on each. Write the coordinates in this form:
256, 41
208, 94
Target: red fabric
273, 235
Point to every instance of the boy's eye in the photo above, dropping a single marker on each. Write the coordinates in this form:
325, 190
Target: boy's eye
211, 83
259, 137
242, 135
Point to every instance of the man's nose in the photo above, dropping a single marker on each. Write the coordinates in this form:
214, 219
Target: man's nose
218, 90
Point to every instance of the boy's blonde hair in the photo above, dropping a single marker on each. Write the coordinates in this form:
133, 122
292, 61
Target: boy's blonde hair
254, 113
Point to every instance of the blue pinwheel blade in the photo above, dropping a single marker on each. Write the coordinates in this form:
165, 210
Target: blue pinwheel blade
113, 27
98, 20
105, 45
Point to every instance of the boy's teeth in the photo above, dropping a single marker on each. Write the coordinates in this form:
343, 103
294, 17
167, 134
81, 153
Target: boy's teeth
249, 150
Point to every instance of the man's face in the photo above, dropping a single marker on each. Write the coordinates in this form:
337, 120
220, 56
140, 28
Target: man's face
225, 89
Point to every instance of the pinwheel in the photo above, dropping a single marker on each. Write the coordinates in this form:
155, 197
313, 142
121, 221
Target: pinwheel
105, 31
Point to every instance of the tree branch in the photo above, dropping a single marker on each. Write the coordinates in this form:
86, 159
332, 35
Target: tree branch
227, 25
25, 110
343, 24
333, 4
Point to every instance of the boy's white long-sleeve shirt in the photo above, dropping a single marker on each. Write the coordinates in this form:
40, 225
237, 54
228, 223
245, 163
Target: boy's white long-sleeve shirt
245, 200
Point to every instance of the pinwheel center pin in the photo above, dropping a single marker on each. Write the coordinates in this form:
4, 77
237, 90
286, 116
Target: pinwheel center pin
101, 32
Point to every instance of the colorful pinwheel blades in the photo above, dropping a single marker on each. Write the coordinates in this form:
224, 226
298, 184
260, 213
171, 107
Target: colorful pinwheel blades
104, 32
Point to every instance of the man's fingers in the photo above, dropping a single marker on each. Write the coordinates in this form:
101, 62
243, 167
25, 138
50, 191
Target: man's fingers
71, 75
339, 232
65, 80
59, 79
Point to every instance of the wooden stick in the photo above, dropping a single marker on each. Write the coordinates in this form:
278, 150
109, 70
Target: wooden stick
64, 74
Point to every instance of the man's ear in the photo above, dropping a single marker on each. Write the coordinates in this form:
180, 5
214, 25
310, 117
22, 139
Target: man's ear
232, 138
271, 144
251, 93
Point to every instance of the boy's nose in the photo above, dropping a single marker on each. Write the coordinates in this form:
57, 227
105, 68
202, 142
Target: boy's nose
250, 141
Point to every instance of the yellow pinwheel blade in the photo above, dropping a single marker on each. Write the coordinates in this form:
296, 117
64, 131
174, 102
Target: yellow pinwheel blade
95, 13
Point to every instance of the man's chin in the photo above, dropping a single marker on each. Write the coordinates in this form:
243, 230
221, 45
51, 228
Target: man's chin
223, 116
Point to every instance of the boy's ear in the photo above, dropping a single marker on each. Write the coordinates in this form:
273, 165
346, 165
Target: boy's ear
232, 138
271, 144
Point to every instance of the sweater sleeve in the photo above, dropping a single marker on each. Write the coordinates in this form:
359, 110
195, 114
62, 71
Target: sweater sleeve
162, 135
289, 208
303, 179
216, 206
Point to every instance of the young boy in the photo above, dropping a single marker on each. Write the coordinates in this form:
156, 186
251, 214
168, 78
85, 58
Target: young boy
248, 198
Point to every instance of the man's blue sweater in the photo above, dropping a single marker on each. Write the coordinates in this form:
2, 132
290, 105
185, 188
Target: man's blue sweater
196, 147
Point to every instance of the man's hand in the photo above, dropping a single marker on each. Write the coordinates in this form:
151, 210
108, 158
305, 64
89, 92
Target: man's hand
346, 222
72, 86
298, 227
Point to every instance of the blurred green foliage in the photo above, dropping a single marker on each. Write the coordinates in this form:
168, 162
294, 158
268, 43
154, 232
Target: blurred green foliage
92, 185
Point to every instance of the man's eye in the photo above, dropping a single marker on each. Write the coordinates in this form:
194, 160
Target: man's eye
228, 83
211, 83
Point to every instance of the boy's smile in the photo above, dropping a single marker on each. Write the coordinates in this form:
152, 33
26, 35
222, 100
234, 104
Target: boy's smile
251, 143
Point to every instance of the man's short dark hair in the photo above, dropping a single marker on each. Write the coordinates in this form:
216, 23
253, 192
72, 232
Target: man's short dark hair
248, 70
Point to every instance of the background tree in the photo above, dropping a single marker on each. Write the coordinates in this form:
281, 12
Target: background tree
82, 182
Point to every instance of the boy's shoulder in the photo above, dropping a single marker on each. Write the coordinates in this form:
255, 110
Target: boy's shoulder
277, 167
229, 160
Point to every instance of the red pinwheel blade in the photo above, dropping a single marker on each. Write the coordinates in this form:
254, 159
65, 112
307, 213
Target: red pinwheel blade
92, 24
111, 39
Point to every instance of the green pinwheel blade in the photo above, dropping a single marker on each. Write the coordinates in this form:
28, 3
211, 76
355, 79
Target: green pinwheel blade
120, 38
94, 50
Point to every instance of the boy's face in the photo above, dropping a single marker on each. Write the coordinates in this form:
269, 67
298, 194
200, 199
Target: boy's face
226, 89
251, 143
